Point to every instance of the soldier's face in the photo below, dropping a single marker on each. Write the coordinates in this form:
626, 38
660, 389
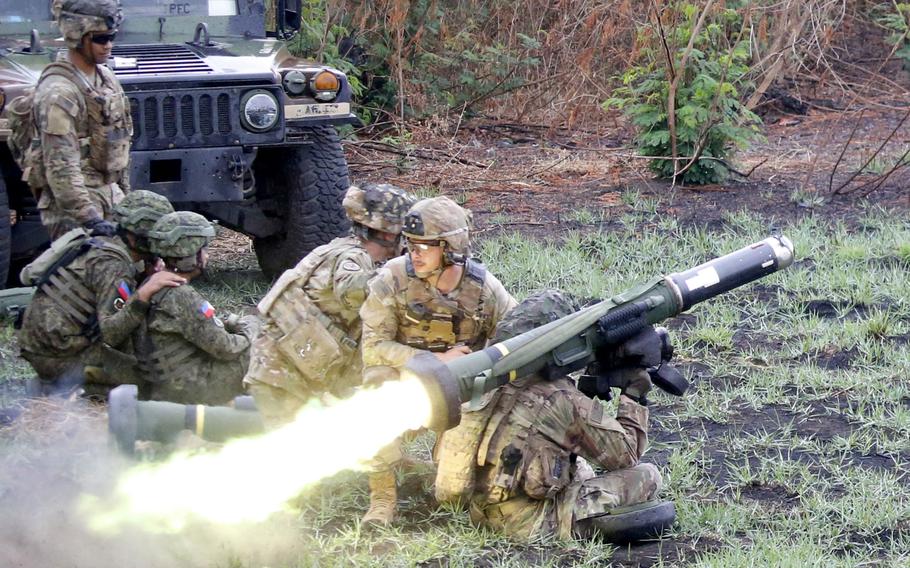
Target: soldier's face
426, 256
97, 46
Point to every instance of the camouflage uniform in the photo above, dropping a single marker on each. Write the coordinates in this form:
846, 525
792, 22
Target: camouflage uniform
404, 314
518, 451
313, 310
187, 353
84, 129
86, 310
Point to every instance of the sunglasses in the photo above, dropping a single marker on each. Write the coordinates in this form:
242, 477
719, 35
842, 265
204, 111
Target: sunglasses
104, 39
422, 246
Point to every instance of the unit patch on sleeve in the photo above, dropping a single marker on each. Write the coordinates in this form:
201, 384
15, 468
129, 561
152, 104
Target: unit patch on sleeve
206, 309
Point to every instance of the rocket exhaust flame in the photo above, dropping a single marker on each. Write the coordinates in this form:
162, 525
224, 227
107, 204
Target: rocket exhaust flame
251, 478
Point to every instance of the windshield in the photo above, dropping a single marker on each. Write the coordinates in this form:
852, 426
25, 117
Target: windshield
178, 8
223, 17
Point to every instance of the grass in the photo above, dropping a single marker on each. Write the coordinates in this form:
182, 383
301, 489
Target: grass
792, 447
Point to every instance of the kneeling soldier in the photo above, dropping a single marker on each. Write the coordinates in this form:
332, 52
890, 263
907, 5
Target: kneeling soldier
85, 307
188, 354
515, 458
310, 342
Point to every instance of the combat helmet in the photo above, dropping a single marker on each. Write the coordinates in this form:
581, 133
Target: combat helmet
534, 311
138, 212
377, 207
178, 237
75, 18
443, 219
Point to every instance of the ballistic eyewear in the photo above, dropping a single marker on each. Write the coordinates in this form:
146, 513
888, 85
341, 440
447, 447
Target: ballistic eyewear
422, 246
104, 39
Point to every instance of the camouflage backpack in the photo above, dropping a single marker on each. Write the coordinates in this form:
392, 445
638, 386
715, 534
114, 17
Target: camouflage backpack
24, 142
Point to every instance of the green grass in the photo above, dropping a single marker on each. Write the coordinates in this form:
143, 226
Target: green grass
792, 447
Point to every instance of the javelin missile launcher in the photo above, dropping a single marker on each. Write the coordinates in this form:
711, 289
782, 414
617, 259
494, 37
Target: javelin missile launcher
576, 340
573, 342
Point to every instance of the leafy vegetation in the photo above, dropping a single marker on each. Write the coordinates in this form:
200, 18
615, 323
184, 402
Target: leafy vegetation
684, 95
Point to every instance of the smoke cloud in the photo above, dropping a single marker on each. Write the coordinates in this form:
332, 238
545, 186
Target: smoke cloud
56, 452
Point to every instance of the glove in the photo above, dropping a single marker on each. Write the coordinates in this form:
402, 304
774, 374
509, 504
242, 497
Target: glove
637, 385
232, 323
249, 326
100, 228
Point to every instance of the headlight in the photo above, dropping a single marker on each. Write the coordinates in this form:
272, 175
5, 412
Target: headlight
295, 82
325, 86
259, 110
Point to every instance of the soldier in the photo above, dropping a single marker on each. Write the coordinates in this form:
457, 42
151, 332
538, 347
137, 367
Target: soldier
85, 309
83, 124
514, 458
187, 353
435, 298
316, 304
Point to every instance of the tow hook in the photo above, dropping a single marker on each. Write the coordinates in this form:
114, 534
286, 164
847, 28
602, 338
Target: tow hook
237, 166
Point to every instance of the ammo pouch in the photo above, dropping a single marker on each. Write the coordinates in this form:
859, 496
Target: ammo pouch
316, 347
110, 124
547, 469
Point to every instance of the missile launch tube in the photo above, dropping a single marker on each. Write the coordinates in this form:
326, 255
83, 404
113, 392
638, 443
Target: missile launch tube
653, 302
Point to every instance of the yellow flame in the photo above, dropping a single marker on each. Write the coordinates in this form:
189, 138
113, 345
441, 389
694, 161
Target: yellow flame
251, 478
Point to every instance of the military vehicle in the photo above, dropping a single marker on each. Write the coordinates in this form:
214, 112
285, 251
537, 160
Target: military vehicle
227, 122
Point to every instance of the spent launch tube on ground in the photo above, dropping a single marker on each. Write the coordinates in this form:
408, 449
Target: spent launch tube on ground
574, 338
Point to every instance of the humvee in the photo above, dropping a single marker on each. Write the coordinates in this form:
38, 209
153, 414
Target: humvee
227, 122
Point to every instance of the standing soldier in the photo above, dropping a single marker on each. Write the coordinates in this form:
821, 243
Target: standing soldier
435, 298
81, 169
85, 298
187, 353
316, 304
515, 458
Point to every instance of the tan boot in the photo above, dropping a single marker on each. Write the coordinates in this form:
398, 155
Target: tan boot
383, 499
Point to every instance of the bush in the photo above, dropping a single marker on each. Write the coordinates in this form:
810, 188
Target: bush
706, 83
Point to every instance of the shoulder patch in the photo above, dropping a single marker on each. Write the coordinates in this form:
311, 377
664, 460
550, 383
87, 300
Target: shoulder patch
206, 309
350, 266
123, 290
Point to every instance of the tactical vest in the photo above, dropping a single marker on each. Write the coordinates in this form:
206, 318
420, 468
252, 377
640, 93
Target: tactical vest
162, 364
105, 147
54, 276
513, 457
319, 347
433, 322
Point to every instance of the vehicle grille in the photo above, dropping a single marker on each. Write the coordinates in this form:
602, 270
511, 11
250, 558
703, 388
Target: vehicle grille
191, 119
160, 59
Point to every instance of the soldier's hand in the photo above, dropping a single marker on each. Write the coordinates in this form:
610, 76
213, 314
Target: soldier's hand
453, 353
637, 384
100, 228
249, 326
157, 282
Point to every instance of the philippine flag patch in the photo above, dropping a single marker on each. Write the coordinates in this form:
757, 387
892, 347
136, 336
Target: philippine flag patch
124, 290
206, 309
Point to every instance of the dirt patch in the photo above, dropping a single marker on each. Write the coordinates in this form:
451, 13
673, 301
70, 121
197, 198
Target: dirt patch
768, 493
665, 552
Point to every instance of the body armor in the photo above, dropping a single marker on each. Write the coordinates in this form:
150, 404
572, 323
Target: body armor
436, 323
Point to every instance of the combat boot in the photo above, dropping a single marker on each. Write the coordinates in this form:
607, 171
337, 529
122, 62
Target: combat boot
383, 499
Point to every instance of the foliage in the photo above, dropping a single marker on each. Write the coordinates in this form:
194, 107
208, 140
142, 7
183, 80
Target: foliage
320, 39
894, 17
709, 117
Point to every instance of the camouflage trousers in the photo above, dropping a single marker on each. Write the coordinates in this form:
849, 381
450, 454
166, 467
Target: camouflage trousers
58, 221
96, 370
527, 519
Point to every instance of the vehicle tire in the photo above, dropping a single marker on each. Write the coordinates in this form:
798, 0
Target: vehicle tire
5, 236
309, 183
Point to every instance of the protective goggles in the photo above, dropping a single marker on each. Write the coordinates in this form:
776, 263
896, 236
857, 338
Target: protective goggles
104, 39
422, 246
